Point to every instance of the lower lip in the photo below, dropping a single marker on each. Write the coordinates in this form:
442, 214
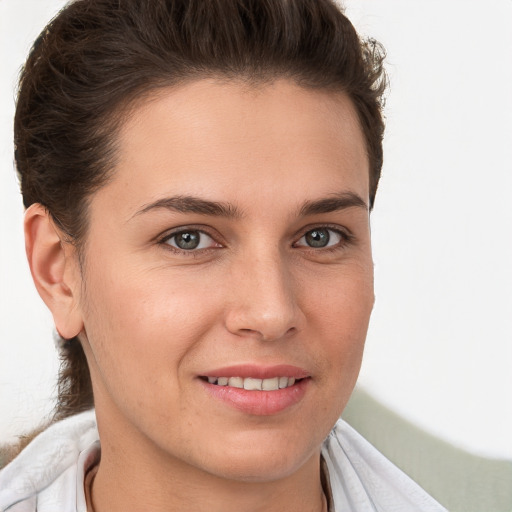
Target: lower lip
259, 403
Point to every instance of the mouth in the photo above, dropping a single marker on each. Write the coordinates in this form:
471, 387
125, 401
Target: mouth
252, 384
260, 390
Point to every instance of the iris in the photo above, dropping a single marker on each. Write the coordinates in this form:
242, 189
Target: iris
187, 240
317, 237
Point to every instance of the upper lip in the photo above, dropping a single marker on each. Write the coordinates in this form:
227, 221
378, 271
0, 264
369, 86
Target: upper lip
258, 371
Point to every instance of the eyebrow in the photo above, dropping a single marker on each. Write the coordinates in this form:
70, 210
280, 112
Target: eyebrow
190, 204
334, 203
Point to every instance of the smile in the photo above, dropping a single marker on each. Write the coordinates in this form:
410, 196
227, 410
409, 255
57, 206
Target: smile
251, 384
258, 396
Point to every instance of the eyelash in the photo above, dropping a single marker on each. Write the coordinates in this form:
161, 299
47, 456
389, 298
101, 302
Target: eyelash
346, 238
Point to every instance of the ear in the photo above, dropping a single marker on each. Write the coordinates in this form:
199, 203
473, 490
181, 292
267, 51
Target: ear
55, 271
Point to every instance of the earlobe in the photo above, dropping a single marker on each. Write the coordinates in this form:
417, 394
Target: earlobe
54, 270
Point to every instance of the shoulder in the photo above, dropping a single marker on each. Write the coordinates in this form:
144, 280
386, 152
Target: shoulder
362, 478
46, 472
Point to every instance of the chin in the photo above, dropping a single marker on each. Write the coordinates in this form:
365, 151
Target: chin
261, 459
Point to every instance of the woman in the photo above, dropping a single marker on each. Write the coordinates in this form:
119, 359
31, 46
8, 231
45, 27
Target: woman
198, 178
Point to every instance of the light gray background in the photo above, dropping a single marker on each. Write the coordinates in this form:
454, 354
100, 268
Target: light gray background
439, 349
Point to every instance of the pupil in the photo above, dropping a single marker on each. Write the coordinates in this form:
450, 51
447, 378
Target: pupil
187, 240
317, 237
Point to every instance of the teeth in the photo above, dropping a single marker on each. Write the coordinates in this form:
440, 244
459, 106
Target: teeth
270, 384
251, 384
236, 382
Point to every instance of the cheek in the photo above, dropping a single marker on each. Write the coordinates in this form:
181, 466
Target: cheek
341, 318
338, 314
142, 333
137, 322
342, 300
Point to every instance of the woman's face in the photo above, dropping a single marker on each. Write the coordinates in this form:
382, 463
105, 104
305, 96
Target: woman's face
231, 248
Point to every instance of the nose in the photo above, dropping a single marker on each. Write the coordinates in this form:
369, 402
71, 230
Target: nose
263, 297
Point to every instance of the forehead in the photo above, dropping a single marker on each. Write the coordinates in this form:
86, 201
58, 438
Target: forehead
229, 138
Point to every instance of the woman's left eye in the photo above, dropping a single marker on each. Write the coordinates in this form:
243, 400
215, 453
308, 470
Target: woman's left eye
320, 238
190, 240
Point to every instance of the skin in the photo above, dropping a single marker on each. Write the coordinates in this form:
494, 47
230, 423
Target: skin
152, 318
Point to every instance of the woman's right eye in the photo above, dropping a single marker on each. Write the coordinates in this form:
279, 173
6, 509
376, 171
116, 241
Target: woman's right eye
190, 240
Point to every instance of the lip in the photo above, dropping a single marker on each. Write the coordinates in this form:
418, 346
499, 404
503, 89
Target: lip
258, 403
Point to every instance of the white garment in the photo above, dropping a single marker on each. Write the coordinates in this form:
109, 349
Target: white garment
48, 475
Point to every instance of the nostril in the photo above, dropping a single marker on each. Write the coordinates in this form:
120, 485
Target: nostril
267, 334
249, 331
